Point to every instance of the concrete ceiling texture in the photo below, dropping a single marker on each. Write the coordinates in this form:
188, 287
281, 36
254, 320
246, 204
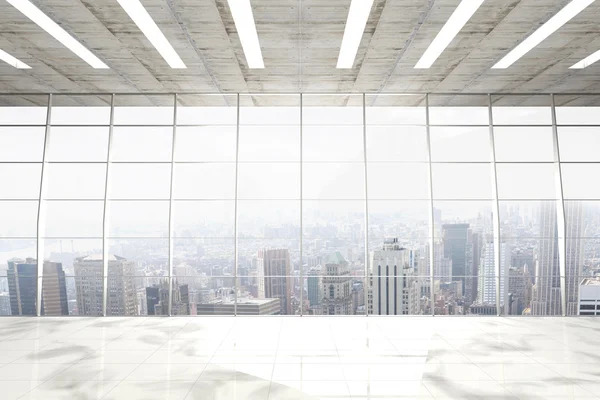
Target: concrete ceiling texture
300, 42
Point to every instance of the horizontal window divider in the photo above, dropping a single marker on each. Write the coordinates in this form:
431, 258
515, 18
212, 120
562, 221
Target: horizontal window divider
456, 199
205, 125
457, 126
107, 125
18, 238
72, 237
396, 162
138, 238
21, 162
461, 162
21, 200
398, 199
524, 162
522, 126
169, 125
162, 199
578, 126
140, 162
76, 199
76, 162
22, 126
193, 199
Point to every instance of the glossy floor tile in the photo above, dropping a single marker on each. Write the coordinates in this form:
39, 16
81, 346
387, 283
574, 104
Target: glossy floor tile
272, 358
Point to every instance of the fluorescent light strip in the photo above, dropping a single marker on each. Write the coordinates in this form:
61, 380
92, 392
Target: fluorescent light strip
44, 22
586, 62
144, 21
241, 11
7, 58
355, 27
455, 23
553, 24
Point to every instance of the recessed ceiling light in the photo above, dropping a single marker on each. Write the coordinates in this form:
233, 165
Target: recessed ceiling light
44, 22
144, 21
455, 23
553, 24
241, 11
7, 58
586, 62
355, 26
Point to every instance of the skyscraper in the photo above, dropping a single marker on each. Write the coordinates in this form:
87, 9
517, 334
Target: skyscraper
488, 273
574, 214
337, 287
546, 291
4, 304
274, 279
54, 290
22, 286
395, 287
157, 298
314, 287
122, 297
456, 238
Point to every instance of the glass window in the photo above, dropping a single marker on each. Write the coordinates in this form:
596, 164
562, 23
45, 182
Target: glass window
24, 115
204, 181
269, 219
330, 143
402, 144
460, 144
577, 115
517, 115
78, 144
18, 219
206, 109
80, 115
398, 181
333, 181
22, 143
73, 218
325, 112
204, 218
526, 181
265, 115
269, 181
205, 143
523, 144
577, 181
75, 181
461, 181
453, 115
139, 181
20, 181
395, 115
142, 144
138, 218
267, 143
579, 143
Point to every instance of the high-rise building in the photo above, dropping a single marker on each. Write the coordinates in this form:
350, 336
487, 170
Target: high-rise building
589, 297
122, 296
22, 286
54, 290
337, 287
274, 277
519, 290
456, 241
157, 298
4, 304
486, 294
314, 287
395, 287
574, 214
546, 292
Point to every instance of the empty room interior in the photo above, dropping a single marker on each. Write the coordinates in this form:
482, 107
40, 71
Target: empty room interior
299, 199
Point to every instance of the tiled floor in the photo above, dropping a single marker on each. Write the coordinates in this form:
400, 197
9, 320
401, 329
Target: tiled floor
299, 358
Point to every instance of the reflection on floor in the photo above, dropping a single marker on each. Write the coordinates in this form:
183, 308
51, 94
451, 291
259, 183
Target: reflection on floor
210, 358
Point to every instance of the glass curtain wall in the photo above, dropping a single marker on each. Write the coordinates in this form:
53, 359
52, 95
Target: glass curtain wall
313, 204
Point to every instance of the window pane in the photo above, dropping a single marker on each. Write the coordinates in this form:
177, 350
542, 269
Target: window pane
140, 181
579, 144
519, 115
80, 115
78, 144
264, 115
75, 181
332, 144
526, 181
330, 115
205, 143
466, 181
271, 219
398, 181
576, 183
204, 181
578, 115
269, 143
407, 220
20, 181
396, 143
395, 115
458, 115
269, 181
73, 218
203, 218
143, 110
142, 144
18, 219
24, 115
523, 219
333, 181
207, 109
203, 258
89, 284
460, 144
524, 144
138, 218
15, 249
22, 143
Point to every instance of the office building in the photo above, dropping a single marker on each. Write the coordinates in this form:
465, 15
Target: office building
456, 242
337, 287
22, 286
274, 279
589, 297
54, 290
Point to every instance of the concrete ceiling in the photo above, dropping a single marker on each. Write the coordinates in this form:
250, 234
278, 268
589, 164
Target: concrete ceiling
300, 41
